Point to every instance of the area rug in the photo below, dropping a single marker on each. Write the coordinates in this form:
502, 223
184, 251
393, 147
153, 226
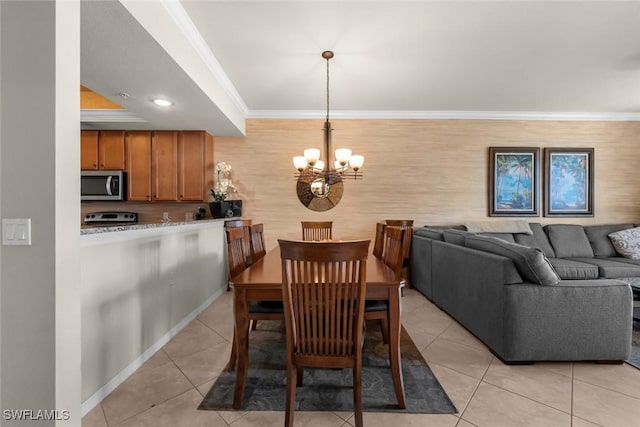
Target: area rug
331, 390
634, 359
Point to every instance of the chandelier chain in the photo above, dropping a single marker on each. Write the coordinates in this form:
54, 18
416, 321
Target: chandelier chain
328, 89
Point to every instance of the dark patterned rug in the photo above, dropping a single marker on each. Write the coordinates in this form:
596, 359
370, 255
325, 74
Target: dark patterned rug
634, 359
331, 390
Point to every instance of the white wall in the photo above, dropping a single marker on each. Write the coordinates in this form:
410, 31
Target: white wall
39, 139
139, 287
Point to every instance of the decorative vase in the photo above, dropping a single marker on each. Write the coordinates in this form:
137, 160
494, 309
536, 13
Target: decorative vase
226, 209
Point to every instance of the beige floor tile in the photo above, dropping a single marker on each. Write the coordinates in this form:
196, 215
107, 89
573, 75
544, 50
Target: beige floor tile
603, 406
179, 411
145, 388
622, 378
458, 333
420, 337
560, 368
204, 365
579, 422
193, 338
386, 419
429, 319
464, 359
413, 300
316, 419
260, 419
219, 316
463, 423
232, 416
494, 407
532, 381
158, 359
459, 387
94, 418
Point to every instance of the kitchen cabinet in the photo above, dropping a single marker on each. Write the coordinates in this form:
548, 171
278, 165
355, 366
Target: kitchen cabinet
168, 165
191, 165
103, 149
164, 166
138, 165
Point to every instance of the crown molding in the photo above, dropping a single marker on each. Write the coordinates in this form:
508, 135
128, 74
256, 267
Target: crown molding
445, 115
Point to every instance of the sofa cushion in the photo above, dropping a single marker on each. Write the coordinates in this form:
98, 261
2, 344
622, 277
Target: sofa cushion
508, 237
625, 260
609, 269
598, 236
627, 242
530, 262
569, 241
574, 270
538, 239
511, 226
432, 233
456, 237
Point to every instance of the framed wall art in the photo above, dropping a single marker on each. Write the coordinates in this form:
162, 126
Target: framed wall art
568, 178
514, 181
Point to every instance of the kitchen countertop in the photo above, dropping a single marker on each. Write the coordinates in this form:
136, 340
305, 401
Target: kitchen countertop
105, 228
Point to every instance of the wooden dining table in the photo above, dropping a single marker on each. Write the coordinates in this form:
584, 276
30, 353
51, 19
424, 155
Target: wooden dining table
262, 281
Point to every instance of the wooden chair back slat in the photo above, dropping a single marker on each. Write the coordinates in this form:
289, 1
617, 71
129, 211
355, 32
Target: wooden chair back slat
236, 257
246, 241
316, 230
378, 245
393, 249
256, 232
407, 225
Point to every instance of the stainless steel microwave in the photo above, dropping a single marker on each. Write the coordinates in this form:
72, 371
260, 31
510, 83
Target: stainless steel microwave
102, 185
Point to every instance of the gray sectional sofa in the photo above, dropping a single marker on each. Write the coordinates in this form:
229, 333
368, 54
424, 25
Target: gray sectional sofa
552, 295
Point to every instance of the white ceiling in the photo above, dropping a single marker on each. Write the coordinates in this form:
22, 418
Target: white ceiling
501, 59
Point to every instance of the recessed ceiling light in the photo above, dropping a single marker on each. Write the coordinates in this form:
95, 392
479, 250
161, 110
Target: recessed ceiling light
162, 102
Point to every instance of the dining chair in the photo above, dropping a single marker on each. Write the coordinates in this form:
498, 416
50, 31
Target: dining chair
258, 310
392, 257
316, 230
256, 232
244, 224
323, 289
378, 243
407, 224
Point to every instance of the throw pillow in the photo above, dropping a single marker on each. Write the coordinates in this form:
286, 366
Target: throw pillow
627, 242
569, 241
530, 262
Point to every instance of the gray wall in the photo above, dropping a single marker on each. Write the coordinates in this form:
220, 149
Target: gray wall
39, 162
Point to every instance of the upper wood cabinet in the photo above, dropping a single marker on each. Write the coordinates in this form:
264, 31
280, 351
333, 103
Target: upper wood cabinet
138, 165
164, 165
191, 165
103, 149
168, 165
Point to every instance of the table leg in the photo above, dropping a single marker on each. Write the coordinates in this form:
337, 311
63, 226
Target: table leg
395, 325
241, 314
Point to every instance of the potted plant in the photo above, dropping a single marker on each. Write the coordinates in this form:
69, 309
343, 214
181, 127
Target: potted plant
221, 207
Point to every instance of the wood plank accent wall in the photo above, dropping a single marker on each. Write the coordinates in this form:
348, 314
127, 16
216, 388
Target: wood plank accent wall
432, 171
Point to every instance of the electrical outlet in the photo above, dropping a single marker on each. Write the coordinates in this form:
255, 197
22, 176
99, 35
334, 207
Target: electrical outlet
172, 278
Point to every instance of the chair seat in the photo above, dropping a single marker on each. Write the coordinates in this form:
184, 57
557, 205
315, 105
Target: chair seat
375, 305
266, 307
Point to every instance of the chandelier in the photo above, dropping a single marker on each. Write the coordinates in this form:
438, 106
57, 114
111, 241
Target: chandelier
320, 175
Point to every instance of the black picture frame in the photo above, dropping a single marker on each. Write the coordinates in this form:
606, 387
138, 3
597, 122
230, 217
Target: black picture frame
514, 181
568, 182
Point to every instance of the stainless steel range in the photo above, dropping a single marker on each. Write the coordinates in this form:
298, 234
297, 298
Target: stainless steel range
111, 217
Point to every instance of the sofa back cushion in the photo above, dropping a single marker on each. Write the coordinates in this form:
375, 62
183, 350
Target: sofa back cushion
538, 239
508, 237
530, 262
627, 242
569, 241
598, 236
456, 237
432, 233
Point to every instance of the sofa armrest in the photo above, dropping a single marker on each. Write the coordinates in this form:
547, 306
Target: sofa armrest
469, 285
573, 320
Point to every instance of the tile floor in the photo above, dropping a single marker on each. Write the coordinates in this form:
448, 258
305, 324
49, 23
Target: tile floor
167, 389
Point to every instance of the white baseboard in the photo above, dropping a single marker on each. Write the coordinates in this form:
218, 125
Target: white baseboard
114, 382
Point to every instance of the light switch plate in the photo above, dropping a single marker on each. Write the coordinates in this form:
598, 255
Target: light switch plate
16, 231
